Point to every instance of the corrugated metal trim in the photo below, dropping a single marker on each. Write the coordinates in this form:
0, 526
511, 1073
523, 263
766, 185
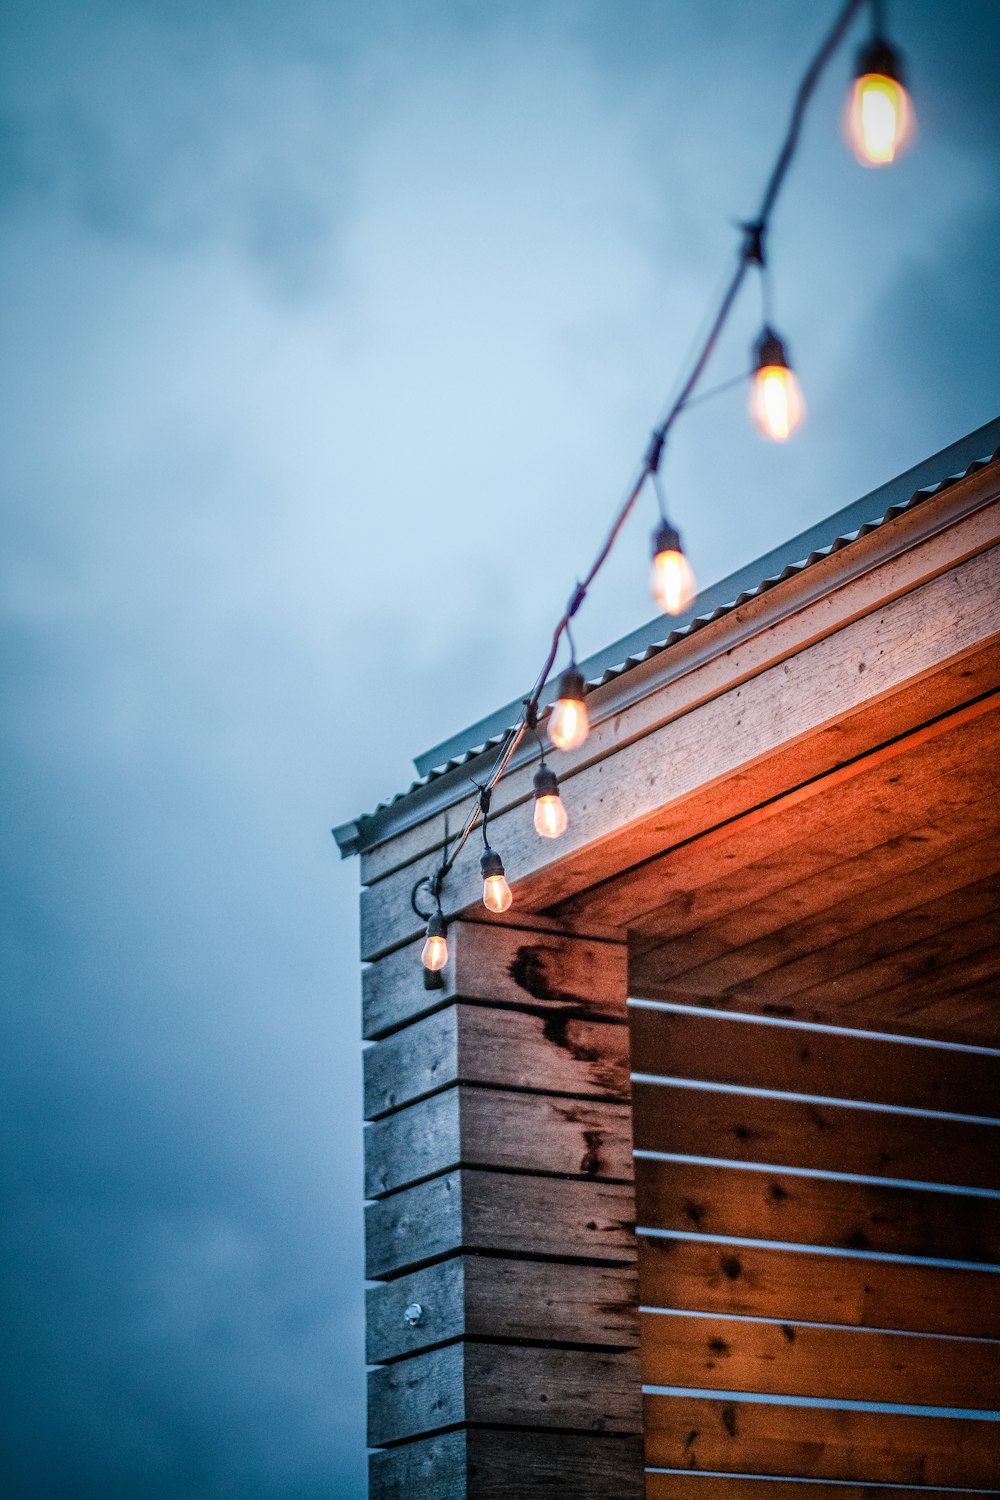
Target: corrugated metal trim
351, 836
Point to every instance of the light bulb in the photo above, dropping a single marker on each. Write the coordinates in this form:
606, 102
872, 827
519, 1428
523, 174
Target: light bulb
878, 121
497, 894
569, 724
434, 954
776, 402
671, 581
550, 815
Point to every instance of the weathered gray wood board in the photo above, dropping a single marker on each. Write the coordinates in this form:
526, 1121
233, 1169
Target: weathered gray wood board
493, 1212
499, 1159
478, 1464
488, 1297
514, 1050
490, 1127
499, 966
580, 1390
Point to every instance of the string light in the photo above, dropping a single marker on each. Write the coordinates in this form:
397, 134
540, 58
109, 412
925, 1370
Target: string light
569, 723
434, 954
879, 120
550, 814
776, 402
671, 581
497, 894
880, 123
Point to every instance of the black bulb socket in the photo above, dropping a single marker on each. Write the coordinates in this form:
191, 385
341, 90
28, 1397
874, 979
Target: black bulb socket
491, 863
571, 685
769, 350
666, 538
879, 56
546, 782
437, 927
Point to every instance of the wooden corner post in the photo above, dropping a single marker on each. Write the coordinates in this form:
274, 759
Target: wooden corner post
498, 1160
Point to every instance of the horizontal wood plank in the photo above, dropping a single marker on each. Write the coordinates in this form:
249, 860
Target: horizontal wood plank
699, 1432
814, 832
872, 681
487, 1297
483, 1464
479, 1127
765, 629
512, 1049
499, 965
797, 1359
721, 1050
771, 1283
719, 1200
732, 1487
495, 1212
580, 1390
829, 1137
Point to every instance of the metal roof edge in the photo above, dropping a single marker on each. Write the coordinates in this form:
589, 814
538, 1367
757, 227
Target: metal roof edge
869, 507
437, 787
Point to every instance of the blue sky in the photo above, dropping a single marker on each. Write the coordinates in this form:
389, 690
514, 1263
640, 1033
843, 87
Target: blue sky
332, 333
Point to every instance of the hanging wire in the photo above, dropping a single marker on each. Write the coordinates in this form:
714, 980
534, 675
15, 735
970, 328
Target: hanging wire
750, 253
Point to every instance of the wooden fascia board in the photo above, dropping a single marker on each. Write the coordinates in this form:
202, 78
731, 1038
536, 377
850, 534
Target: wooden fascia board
811, 633
414, 826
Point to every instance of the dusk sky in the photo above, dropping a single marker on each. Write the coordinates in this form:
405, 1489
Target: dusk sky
332, 334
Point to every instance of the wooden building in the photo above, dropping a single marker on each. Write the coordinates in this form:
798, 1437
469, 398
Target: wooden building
688, 1178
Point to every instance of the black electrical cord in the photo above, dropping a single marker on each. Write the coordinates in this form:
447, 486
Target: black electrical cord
751, 253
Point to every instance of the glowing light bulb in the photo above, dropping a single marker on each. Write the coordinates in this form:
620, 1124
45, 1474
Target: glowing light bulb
550, 815
671, 581
879, 120
497, 894
434, 954
569, 724
776, 402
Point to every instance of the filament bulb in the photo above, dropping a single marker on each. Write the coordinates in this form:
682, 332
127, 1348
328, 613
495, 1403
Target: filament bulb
776, 402
550, 814
671, 580
434, 954
879, 120
569, 724
497, 894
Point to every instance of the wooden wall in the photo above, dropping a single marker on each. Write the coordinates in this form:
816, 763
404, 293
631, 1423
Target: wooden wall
792, 1242
498, 1162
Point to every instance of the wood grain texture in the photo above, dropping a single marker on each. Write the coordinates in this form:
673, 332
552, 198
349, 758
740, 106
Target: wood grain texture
798, 1359
719, 1200
495, 1212
914, 659
763, 630
575, 1389
790, 1284
480, 1464
830, 1137
694, 1432
480, 1127
718, 1487
559, 1053
721, 1050
487, 1297
869, 924
499, 965
917, 795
